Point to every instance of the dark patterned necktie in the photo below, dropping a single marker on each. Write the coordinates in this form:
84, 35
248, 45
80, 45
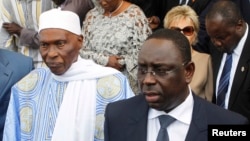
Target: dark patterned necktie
165, 120
224, 81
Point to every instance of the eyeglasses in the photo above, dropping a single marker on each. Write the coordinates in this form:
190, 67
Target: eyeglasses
188, 30
142, 71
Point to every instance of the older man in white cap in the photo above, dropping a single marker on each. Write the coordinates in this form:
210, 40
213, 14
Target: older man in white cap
66, 101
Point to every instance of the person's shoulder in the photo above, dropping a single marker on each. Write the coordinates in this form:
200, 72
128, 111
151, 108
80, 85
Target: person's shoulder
117, 75
23, 58
199, 56
202, 54
113, 82
34, 78
135, 7
134, 101
135, 12
135, 106
17, 59
35, 75
96, 10
38, 73
132, 8
11, 55
219, 115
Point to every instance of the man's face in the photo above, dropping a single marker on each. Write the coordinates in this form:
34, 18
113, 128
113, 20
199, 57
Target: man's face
223, 35
168, 87
59, 49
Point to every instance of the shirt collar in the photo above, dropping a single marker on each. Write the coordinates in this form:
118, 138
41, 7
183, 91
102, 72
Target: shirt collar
239, 48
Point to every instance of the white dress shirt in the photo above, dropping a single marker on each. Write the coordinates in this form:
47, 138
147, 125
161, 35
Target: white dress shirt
177, 131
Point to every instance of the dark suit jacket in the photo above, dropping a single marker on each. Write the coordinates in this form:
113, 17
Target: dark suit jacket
127, 120
239, 100
13, 66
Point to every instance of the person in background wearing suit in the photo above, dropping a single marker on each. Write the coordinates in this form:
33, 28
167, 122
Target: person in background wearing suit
13, 67
164, 79
230, 36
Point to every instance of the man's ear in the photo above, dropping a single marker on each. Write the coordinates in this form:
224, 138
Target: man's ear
189, 71
80, 41
240, 27
80, 38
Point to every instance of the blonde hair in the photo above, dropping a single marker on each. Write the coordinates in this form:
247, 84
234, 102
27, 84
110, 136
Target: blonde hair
183, 12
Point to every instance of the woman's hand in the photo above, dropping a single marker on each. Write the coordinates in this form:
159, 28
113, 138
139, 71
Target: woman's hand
114, 62
154, 22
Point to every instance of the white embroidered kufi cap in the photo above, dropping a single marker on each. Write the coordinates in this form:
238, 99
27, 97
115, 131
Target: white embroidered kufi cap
56, 18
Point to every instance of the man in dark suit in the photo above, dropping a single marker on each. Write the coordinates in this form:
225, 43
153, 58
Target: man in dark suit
230, 34
165, 70
13, 67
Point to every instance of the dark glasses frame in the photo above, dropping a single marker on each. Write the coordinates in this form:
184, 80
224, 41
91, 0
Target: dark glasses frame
188, 30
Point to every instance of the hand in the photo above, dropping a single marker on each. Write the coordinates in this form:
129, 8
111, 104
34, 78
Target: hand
12, 28
154, 22
114, 62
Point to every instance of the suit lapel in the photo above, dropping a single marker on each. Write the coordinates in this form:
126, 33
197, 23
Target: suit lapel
216, 64
216, 56
241, 71
198, 126
137, 123
5, 74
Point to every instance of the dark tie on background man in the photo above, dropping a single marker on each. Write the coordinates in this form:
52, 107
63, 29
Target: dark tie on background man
224, 81
165, 120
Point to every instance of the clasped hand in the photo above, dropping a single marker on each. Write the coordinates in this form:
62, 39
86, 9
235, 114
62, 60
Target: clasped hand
114, 62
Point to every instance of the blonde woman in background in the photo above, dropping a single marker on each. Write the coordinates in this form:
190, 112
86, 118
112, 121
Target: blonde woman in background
184, 19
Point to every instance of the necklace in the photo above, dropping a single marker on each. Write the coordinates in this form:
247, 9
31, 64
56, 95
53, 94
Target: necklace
110, 13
